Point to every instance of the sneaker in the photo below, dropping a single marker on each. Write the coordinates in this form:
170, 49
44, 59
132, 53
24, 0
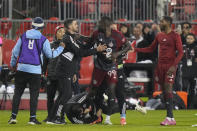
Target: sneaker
50, 122
12, 121
99, 120
34, 121
141, 109
107, 122
123, 121
167, 122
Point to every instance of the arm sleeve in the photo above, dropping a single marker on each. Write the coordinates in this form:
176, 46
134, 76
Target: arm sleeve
15, 53
48, 52
149, 48
179, 47
77, 50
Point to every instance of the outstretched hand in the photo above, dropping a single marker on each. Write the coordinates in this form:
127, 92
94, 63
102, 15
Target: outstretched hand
62, 44
101, 48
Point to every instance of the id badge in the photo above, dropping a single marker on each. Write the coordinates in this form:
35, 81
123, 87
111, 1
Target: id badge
189, 62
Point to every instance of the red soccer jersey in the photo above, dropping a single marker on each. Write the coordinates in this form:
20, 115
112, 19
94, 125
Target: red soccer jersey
168, 44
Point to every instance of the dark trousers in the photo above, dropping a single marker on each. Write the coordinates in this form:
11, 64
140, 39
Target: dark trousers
21, 80
51, 91
65, 93
120, 94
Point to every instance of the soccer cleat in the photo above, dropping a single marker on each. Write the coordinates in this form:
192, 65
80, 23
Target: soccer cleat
12, 121
141, 109
123, 121
107, 122
167, 122
34, 121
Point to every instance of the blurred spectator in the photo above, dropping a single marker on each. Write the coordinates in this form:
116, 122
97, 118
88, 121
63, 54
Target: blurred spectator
189, 69
140, 25
141, 43
114, 26
124, 29
186, 29
148, 34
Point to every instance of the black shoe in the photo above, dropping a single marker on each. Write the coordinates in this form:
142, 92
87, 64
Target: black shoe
63, 120
45, 120
12, 121
34, 121
58, 121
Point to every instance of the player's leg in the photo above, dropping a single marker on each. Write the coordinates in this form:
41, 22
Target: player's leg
120, 94
66, 89
34, 86
168, 97
20, 84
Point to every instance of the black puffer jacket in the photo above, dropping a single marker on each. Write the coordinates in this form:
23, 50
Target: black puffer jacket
50, 64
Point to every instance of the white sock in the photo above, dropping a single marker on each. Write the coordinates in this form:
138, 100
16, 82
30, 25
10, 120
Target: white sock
172, 119
168, 118
107, 117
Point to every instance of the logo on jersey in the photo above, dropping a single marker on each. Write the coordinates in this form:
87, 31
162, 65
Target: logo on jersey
164, 39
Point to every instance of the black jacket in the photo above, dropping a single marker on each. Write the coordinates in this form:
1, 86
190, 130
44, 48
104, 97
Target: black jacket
50, 64
68, 60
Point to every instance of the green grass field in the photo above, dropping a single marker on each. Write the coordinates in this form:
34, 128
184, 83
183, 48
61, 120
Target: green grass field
135, 122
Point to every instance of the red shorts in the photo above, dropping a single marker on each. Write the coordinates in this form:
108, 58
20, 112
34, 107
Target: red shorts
99, 76
161, 75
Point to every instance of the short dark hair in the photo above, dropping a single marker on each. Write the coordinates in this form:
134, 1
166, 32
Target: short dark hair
104, 23
68, 22
191, 34
187, 23
168, 19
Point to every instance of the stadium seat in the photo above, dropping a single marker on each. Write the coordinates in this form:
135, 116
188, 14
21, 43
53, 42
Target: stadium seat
5, 26
194, 27
7, 47
106, 6
49, 30
87, 66
24, 26
87, 28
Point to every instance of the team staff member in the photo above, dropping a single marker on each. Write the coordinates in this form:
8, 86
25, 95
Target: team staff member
49, 67
67, 64
169, 42
28, 50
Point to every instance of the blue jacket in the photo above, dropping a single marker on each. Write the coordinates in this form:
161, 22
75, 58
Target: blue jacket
35, 69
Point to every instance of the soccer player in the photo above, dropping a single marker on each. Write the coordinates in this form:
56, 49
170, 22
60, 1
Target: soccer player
105, 70
168, 42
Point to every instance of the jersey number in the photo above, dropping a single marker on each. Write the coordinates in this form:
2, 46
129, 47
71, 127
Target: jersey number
31, 44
